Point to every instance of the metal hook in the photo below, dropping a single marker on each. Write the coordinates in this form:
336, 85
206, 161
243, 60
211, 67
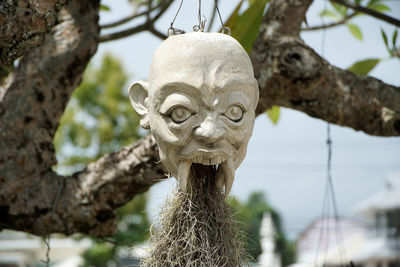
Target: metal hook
226, 30
202, 25
174, 31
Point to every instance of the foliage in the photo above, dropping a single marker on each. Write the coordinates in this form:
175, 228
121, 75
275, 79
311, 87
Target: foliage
363, 67
392, 48
245, 26
250, 214
338, 13
133, 228
98, 119
273, 114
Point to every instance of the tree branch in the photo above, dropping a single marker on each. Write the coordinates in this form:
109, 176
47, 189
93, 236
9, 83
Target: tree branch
131, 17
291, 74
147, 26
23, 26
86, 201
368, 11
35, 199
330, 25
157, 33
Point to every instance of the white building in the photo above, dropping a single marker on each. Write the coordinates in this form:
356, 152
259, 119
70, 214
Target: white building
18, 249
372, 242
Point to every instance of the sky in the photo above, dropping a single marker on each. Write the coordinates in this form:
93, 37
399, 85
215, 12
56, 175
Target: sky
288, 161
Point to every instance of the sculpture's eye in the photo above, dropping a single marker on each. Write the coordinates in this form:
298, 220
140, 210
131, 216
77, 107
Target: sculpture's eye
180, 114
234, 113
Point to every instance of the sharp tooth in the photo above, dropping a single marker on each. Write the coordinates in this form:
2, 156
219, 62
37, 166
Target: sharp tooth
225, 175
229, 170
183, 174
219, 177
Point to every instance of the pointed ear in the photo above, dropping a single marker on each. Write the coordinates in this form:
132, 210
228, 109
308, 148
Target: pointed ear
138, 95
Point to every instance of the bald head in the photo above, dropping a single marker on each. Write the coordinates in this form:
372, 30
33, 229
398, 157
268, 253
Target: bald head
206, 57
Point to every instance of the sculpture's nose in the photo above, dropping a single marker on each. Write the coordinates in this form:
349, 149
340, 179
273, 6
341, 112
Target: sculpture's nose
208, 131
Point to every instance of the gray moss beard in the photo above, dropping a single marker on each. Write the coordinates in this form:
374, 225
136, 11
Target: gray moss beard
197, 228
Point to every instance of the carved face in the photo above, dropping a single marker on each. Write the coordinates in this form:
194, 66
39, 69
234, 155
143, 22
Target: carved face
199, 104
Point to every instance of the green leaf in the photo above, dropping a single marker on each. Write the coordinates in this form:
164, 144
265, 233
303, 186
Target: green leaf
385, 39
329, 14
379, 7
273, 114
394, 38
246, 26
233, 17
104, 8
363, 67
373, 2
355, 30
342, 10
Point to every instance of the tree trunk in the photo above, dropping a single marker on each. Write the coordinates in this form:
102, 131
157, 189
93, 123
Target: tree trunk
33, 97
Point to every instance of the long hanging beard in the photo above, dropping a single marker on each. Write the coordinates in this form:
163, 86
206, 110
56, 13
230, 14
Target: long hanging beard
197, 228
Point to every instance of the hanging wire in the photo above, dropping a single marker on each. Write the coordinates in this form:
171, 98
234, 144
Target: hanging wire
338, 228
171, 30
201, 21
330, 196
46, 241
225, 30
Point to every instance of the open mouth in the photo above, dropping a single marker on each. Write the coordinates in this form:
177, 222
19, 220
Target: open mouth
225, 173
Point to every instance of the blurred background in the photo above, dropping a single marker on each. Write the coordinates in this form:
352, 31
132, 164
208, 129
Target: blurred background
280, 191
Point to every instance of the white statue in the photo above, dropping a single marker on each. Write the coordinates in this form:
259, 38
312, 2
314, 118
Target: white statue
199, 104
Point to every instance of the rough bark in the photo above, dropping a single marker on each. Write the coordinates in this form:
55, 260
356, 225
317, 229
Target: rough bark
24, 24
86, 201
293, 75
35, 199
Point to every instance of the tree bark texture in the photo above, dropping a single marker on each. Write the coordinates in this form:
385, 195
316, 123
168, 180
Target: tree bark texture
24, 24
33, 97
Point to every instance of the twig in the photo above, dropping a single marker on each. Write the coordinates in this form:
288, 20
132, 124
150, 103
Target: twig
147, 26
157, 33
149, 10
122, 34
368, 11
331, 25
131, 17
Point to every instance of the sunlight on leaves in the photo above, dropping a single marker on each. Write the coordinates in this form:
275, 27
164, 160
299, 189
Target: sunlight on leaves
355, 31
365, 66
245, 26
273, 114
329, 14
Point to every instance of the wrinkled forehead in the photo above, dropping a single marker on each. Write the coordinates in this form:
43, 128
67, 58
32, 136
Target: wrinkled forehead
198, 59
